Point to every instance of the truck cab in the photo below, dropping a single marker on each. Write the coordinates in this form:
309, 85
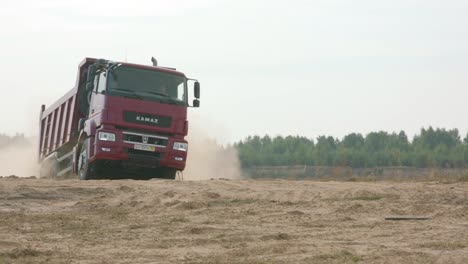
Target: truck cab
130, 121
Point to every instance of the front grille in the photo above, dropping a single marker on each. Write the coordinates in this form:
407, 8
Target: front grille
142, 131
152, 140
136, 153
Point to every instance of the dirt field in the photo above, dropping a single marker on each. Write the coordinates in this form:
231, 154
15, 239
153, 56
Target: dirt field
237, 221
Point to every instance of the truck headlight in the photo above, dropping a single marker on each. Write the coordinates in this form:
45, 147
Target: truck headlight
180, 146
106, 136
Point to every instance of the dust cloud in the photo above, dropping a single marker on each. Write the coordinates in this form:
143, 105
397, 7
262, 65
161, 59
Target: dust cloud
18, 158
207, 159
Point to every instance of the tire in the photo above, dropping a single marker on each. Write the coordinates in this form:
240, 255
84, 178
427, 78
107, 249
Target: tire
85, 170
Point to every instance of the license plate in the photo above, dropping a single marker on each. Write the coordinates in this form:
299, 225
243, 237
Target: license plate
144, 147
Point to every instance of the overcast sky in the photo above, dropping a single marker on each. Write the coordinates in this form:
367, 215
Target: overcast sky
278, 67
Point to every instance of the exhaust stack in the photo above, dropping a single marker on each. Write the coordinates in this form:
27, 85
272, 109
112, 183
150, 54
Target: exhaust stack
154, 61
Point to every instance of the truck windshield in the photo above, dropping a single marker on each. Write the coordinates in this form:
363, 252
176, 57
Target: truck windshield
147, 84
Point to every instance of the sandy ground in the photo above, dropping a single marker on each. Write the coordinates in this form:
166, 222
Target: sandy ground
231, 221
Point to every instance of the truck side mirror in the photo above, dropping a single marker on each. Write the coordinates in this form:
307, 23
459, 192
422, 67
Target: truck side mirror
196, 103
90, 78
196, 90
81, 123
89, 87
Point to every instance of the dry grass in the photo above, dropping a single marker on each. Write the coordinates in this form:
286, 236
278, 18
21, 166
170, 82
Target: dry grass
443, 245
371, 197
26, 255
341, 256
45, 221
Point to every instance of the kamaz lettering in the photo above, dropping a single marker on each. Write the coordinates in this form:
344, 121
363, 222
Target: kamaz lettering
147, 119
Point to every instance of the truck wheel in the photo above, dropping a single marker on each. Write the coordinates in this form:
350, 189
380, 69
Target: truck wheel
85, 169
167, 173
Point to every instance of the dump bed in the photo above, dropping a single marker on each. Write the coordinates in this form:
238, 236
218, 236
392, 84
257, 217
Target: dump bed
59, 122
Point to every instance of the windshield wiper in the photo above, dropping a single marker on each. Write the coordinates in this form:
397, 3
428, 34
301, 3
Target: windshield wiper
168, 99
132, 92
157, 93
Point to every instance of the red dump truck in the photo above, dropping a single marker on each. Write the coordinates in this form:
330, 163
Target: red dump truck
119, 120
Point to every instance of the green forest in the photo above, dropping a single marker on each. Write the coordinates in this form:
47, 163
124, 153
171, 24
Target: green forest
431, 148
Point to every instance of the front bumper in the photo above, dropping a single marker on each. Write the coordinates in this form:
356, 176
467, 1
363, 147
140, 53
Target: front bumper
131, 153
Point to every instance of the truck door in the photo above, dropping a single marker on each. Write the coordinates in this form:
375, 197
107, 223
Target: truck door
97, 96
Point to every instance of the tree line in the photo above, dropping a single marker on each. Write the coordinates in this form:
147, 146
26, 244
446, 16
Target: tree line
430, 148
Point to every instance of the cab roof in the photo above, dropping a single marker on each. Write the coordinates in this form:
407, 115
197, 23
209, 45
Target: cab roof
88, 61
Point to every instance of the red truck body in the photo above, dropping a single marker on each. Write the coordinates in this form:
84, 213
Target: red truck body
123, 130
